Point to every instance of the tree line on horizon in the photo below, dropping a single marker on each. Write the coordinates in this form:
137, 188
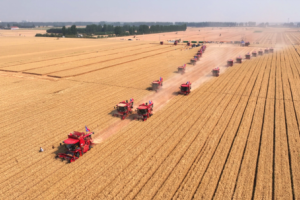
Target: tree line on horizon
117, 30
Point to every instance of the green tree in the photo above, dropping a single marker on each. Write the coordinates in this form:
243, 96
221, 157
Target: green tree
118, 30
73, 30
64, 31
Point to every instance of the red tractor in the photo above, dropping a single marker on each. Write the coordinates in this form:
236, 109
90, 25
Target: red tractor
248, 56
76, 145
254, 54
239, 59
157, 84
181, 69
145, 110
260, 52
216, 71
124, 108
230, 63
185, 88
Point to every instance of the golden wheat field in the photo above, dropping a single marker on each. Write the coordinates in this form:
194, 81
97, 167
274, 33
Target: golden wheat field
235, 136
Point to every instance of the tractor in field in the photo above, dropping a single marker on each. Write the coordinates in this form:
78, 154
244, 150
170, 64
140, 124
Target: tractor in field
185, 88
271, 50
239, 59
145, 110
76, 145
254, 54
124, 108
216, 71
157, 84
181, 69
260, 52
230, 63
266, 50
247, 56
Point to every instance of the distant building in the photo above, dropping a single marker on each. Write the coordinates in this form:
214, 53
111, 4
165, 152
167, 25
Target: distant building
14, 28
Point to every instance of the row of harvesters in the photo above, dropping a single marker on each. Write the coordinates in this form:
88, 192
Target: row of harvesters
198, 55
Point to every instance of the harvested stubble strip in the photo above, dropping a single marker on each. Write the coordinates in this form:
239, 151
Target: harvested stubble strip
210, 180
182, 170
245, 180
184, 191
177, 155
264, 176
116, 146
292, 133
163, 125
282, 182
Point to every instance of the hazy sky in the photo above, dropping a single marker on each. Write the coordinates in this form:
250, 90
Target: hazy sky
150, 10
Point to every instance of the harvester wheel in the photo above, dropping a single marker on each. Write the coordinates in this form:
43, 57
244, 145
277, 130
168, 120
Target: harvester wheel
77, 154
89, 147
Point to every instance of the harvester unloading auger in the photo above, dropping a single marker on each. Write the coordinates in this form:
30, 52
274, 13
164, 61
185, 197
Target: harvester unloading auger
185, 88
76, 145
124, 108
157, 84
145, 111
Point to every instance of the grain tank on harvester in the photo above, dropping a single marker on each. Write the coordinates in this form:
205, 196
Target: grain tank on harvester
124, 108
185, 88
76, 145
157, 84
216, 71
181, 69
145, 111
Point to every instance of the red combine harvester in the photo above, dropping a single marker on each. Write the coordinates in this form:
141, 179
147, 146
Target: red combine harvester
254, 54
266, 50
193, 61
230, 63
181, 69
216, 71
239, 59
124, 108
248, 56
161, 42
197, 57
203, 47
271, 50
199, 53
77, 144
156, 85
185, 88
260, 52
175, 43
145, 110
247, 44
188, 43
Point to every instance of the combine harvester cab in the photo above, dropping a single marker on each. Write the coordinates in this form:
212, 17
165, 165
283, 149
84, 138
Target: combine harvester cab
260, 52
145, 110
254, 54
271, 50
216, 71
156, 85
230, 63
76, 145
185, 88
124, 108
239, 59
266, 50
248, 56
181, 69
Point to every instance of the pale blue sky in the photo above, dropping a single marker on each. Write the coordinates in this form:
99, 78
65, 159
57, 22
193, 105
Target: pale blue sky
150, 10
